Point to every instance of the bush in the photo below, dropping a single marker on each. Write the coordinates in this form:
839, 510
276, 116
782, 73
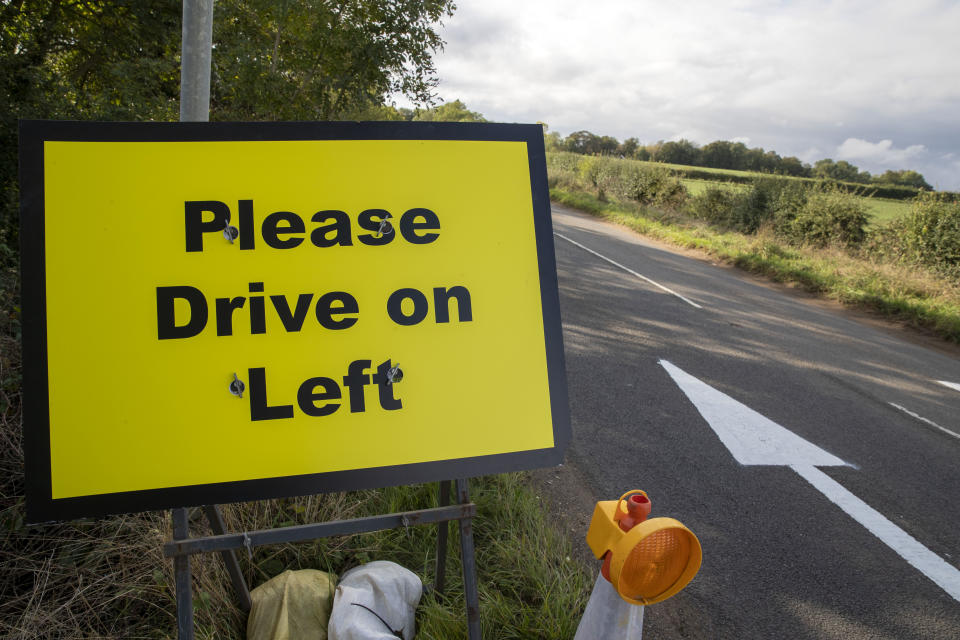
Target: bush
931, 233
648, 185
562, 179
747, 210
828, 214
715, 205
591, 169
757, 205
563, 160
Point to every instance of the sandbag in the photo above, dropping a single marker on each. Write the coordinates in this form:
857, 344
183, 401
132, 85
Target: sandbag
375, 601
291, 606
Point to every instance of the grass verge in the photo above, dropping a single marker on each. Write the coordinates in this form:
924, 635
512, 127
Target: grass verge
909, 296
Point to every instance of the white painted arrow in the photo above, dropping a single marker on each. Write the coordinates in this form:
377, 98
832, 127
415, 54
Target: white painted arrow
953, 385
756, 440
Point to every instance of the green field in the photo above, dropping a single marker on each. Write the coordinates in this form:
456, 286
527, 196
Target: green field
883, 211
683, 168
695, 186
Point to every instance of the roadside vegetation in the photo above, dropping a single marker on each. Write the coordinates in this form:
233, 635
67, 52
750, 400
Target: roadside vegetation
817, 235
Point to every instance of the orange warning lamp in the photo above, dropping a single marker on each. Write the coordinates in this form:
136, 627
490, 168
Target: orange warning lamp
646, 561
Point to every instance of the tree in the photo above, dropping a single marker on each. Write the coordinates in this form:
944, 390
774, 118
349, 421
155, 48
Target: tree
609, 145
455, 111
903, 177
792, 166
719, 154
582, 142
628, 148
679, 152
841, 170
552, 141
319, 60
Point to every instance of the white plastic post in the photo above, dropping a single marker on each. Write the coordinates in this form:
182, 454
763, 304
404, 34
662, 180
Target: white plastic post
608, 616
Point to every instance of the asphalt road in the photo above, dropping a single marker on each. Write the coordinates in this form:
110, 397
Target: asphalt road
780, 559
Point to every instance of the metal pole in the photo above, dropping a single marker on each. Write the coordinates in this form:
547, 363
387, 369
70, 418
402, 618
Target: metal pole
181, 578
229, 557
469, 565
195, 54
440, 575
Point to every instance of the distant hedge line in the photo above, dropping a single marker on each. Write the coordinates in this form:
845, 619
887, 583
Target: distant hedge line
891, 192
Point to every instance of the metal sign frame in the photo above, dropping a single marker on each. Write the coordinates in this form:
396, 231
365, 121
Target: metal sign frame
183, 546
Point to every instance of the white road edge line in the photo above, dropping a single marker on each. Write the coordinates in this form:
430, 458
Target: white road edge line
952, 385
630, 271
924, 420
930, 564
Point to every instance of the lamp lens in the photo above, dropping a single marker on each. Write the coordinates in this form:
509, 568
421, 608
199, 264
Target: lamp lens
655, 564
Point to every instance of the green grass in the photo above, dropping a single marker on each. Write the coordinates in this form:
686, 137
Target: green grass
908, 295
682, 168
883, 210
695, 186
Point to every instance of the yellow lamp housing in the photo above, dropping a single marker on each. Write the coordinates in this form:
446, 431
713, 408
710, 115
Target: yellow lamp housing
650, 562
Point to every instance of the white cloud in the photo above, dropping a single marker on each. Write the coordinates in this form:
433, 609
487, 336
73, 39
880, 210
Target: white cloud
882, 153
789, 76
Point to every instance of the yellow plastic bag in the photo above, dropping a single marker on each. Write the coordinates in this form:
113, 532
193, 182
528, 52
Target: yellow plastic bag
291, 606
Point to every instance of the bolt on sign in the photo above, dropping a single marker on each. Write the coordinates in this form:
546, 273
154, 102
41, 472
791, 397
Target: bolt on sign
219, 312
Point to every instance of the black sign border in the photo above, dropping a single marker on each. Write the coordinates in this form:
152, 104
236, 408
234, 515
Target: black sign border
40, 505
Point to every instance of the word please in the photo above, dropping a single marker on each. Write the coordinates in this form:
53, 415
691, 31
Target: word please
285, 229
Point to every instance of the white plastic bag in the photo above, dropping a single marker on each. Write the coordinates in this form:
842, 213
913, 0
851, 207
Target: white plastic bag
375, 601
608, 616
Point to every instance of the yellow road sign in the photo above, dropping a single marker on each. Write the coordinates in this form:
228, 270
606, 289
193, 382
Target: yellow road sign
223, 312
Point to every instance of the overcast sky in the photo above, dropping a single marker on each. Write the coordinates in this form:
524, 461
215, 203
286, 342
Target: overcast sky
874, 82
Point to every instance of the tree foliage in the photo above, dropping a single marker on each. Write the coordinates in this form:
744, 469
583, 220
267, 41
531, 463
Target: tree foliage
321, 60
841, 170
903, 177
455, 111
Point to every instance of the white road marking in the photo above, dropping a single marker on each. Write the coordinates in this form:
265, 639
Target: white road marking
754, 439
630, 271
928, 563
953, 385
924, 420
751, 437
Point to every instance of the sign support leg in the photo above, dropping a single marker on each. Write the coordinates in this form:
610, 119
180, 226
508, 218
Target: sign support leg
440, 575
181, 578
229, 556
469, 565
